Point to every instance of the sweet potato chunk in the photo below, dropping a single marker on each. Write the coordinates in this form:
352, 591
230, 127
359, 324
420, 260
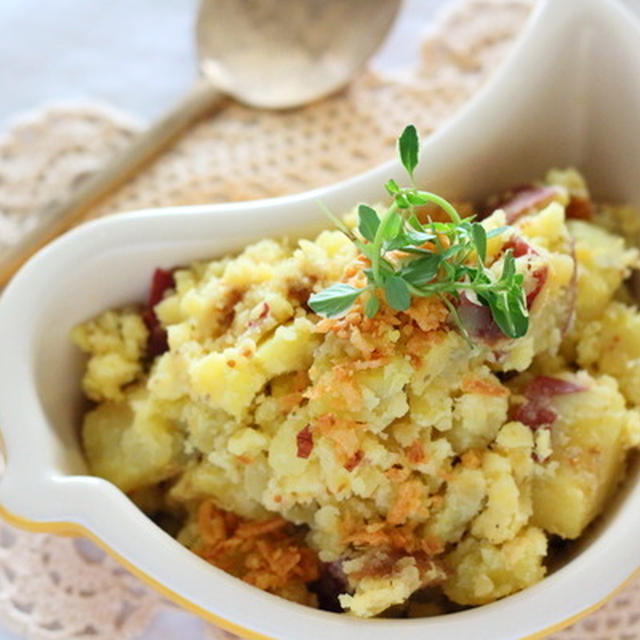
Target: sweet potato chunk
130, 444
483, 572
588, 447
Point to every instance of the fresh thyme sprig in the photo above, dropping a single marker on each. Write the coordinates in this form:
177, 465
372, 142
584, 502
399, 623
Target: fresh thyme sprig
411, 259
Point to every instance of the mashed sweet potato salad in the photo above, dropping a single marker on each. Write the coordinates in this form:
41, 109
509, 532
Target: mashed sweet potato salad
397, 417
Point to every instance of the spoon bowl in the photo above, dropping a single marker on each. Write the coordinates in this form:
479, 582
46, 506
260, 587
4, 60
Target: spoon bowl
278, 54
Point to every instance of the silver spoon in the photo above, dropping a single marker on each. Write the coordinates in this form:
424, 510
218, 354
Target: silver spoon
272, 54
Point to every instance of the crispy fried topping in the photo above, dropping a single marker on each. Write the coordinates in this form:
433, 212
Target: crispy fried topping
415, 452
405, 538
368, 335
270, 554
341, 387
428, 313
409, 501
344, 436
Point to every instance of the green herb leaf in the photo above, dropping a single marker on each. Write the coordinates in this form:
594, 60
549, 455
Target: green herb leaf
480, 240
418, 238
400, 241
371, 306
444, 228
422, 270
414, 222
386, 267
368, 222
370, 277
409, 148
392, 187
509, 267
402, 201
509, 311
405, 239
417, 199
417, 250
397, 293
335, 300
453, 250
390, 226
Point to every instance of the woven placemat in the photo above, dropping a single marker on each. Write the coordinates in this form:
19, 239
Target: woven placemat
57, 588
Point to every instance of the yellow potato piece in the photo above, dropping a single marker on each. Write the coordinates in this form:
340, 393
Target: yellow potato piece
603, 263
226, 380
611, 345
588, 447
289, 349
130, 443
483, 572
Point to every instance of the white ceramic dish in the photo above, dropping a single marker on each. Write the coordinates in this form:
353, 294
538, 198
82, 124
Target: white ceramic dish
569, 94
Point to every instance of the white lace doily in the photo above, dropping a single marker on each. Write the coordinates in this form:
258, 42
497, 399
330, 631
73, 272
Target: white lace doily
57, 588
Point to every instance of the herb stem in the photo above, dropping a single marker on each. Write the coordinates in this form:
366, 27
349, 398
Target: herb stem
416, 291
379, 239
457, 319
445, 205
336, 221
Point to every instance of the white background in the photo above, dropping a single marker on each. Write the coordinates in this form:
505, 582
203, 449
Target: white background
137, 56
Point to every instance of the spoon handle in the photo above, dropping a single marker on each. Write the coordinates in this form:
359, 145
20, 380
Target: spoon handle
199, 101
